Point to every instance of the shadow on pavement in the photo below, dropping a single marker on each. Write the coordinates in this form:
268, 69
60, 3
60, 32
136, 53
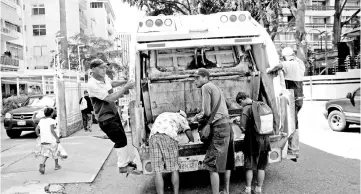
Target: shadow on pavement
353, 129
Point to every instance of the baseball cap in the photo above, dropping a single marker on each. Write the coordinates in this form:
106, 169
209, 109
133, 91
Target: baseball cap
201, 72
96, 63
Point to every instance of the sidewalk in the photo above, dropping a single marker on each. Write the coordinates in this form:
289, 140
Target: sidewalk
86, 156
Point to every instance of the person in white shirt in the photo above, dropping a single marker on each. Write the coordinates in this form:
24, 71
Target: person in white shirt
294, 70
48, 138
163, 146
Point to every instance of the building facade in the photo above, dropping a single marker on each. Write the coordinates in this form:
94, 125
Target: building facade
101, 18
42, 25
12, 35
319, 18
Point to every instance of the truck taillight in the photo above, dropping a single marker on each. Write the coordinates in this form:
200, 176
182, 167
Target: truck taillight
242, 18
149, 23
233, 18
158, 22
224, 19
168, 22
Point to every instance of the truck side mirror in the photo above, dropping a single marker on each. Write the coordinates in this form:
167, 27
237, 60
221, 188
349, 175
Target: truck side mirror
349, 95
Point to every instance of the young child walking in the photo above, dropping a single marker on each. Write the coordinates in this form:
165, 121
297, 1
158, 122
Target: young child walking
49, 139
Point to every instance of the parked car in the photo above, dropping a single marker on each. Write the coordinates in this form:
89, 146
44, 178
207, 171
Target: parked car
27, 117
343, 112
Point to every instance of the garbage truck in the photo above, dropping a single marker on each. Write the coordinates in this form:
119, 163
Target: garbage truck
234, 48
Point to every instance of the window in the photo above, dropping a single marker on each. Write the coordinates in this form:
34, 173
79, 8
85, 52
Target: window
39, 30
38, 9
96, 5
15, 50
39, 51
12, 26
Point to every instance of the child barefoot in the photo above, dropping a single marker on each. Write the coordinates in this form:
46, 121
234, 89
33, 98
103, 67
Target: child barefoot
48, 138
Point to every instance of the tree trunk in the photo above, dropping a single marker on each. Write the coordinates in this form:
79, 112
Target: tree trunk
63, 33
300, 35
337, 24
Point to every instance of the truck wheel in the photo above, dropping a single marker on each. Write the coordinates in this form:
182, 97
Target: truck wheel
337, 121
13, 133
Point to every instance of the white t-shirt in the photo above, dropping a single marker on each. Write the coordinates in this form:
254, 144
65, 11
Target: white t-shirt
45, 131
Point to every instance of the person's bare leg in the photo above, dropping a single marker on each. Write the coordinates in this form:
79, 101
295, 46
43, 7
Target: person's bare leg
249, 177
175, 182
214, 182
227, 177
260, 178
159, 184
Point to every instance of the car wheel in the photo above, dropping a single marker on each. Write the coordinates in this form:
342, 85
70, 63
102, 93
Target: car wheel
13, 133
337, 121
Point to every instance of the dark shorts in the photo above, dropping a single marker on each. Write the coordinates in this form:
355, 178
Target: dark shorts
256, 161
163, 153
114, 129
220, 154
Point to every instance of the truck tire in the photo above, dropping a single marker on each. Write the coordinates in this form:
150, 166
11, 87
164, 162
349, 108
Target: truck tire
337, 121
13, 133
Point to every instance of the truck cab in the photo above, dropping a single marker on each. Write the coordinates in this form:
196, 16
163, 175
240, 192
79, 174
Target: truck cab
234, 48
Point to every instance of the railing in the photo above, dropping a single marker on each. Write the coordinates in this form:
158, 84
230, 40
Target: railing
5, 60
313, 25
324, 8
9, 31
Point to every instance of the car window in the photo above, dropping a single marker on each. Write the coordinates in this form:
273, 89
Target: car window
45, 101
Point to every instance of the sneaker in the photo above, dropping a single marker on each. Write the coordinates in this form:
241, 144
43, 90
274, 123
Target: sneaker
42, 168
246, 192
292, 157
132, 164
57, 167
126, 169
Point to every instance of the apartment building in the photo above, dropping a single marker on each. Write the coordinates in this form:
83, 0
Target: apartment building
42, 24
100, 17
12, 35
319, 19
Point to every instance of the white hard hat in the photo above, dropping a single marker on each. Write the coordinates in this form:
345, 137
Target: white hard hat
288, 51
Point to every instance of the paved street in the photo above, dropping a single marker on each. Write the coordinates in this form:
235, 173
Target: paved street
329, 163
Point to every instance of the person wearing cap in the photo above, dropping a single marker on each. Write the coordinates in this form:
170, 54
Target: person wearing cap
220, 156
163, 146
106, 112
294, 70
87, 113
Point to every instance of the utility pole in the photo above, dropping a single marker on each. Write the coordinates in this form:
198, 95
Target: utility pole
326, 48
63, 31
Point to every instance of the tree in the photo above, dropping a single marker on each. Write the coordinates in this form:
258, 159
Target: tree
337, 24
91, 48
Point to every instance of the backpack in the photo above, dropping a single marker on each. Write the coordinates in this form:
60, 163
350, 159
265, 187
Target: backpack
83, 104
263, 118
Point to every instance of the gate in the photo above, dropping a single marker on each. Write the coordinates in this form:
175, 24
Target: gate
70, 118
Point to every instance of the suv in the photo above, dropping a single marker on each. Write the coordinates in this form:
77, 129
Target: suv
27, 117
343, 112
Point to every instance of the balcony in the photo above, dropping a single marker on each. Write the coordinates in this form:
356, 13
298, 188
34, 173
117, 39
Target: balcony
9, 62
8, 34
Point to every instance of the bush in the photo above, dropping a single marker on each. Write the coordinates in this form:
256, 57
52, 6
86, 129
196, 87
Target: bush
12, 102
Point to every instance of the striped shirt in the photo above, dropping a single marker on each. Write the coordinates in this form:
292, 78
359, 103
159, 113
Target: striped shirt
210, 96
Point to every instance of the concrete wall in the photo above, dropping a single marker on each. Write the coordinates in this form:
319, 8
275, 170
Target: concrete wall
325, 87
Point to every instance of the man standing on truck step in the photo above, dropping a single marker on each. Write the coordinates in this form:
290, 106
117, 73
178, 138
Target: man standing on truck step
106, 112
163, 146
220, 154
294, 70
